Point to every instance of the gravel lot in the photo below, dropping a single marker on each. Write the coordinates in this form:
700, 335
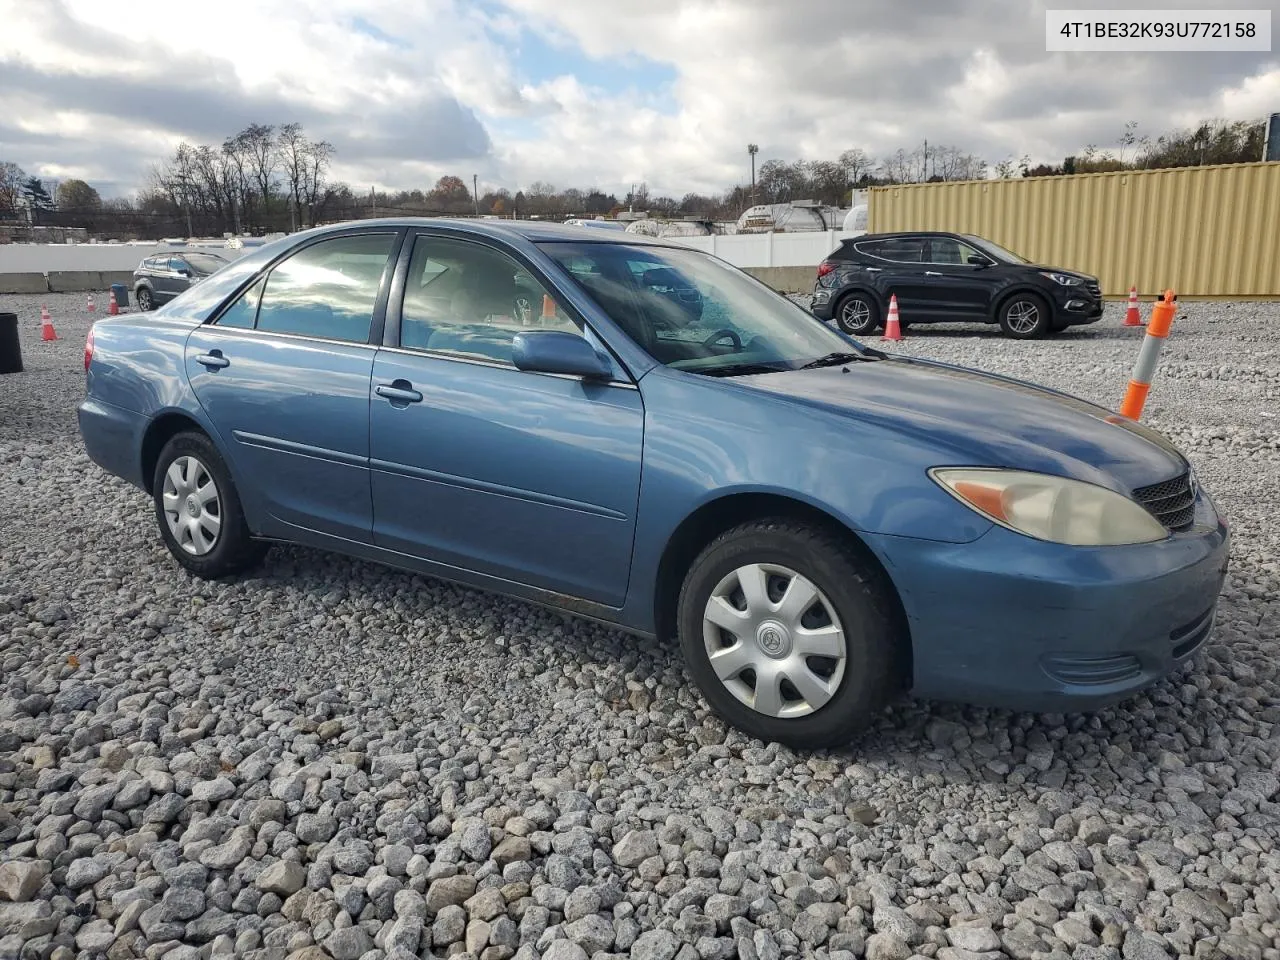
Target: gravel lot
330, 759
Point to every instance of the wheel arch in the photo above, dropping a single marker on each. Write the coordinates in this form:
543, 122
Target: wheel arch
159, 432
716, 516
860, 288
1002, 301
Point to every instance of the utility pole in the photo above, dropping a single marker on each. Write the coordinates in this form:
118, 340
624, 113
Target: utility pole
475, 192
752, 150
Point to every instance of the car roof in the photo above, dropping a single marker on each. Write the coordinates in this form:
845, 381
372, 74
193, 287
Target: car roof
534, 231
901, 234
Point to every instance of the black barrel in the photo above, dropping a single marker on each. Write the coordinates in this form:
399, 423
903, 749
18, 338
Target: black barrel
10, 346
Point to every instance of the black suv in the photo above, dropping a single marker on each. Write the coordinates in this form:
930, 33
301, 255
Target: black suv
164, 276
947, 278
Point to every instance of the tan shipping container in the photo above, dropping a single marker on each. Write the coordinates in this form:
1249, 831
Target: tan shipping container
1211, 232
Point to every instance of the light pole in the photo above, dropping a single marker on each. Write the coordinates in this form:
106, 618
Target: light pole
475, 192
752, 150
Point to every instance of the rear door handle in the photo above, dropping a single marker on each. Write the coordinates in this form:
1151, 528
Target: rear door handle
932, 273
874, 269
214, 360
399, 391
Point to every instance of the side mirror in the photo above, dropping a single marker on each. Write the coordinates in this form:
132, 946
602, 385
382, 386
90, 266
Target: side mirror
979, 261
558, 351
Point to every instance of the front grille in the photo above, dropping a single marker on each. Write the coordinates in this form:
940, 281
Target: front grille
1172, 502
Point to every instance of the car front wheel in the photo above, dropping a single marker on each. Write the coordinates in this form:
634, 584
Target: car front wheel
857, 314
788, 634
199, 511
1024, 317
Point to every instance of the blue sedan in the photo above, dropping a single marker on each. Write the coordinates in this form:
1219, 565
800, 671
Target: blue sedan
820, 526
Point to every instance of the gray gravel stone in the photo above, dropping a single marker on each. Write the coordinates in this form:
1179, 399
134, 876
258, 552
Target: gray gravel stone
21, 880
655, 945
197, 789
283, 877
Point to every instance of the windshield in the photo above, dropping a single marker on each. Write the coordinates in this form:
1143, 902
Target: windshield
995, 250
205, 262
692, 312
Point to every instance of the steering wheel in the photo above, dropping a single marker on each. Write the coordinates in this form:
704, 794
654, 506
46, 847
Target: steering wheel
720, 335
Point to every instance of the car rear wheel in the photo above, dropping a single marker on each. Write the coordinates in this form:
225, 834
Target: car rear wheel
857, 314
1025, 316
143, 296
788, 634
198, 510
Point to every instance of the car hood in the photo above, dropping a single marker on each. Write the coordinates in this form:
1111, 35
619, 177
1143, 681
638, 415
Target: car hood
978, 419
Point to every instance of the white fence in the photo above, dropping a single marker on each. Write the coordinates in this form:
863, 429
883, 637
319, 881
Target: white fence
770, 249
51, 257
742, 250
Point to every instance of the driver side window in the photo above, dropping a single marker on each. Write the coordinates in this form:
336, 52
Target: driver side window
468, 300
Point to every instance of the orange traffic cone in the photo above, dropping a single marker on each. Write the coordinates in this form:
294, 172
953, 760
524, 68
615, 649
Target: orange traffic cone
548, 307
46, 325
113, 308
1131, 316
89, 304
892, 328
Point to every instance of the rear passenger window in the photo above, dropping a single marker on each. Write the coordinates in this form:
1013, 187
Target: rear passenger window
244, 311
327, 290
901, 250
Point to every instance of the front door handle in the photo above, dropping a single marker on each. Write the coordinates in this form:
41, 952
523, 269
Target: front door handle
874, 269
214, 360
932, 273
398, 392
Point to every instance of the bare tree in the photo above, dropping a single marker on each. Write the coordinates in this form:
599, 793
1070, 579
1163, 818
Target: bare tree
258, 144
316, 156
291, 152
12, 177
857, 165
236, 158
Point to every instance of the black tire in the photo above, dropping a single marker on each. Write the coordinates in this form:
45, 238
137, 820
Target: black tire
874, 644
144, 297
1015, 321
233, 548
852, 305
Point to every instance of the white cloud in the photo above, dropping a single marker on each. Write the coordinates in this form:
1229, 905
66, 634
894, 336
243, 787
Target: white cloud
102, 87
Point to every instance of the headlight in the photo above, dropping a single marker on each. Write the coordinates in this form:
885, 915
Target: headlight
1063, 279
1051, 508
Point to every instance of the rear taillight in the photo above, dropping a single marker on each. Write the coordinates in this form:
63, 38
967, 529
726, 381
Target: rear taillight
825, 267
88, 350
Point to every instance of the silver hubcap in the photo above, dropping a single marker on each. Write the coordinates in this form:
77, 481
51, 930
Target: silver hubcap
192, 506
855, 313
1023, 316
774, 640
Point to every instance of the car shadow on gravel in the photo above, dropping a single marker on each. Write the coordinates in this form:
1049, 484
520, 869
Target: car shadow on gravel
941, 331
965, 745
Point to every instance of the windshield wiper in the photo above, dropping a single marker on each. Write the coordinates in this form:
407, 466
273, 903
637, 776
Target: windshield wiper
835, 359
742, 369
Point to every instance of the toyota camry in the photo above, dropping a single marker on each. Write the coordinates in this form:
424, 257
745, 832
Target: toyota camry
821, 527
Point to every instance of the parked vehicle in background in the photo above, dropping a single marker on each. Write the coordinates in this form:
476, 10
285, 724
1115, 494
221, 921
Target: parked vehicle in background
949, 278
819, 525
162, 277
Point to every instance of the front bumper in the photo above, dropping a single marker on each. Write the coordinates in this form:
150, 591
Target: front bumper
1073, 306
1012, 622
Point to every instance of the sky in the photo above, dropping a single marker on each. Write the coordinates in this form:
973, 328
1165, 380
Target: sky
585, 93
